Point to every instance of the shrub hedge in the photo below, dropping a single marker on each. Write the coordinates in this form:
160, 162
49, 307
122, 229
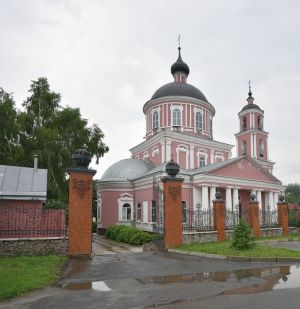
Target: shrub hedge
127, 234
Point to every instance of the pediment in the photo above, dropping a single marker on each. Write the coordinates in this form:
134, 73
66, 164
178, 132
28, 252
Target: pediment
244, 168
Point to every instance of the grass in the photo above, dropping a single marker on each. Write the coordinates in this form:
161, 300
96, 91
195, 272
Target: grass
224, 248
26, 273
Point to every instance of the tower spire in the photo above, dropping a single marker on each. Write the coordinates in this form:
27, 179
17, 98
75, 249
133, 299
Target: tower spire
250, 98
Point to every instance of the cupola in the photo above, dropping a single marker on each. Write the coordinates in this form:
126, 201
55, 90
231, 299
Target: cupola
180, 70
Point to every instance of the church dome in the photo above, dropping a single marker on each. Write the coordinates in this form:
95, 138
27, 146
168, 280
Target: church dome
180, 65
179, 89
250, 106
127, 169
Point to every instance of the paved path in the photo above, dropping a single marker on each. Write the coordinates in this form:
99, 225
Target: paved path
293, 245
101, 246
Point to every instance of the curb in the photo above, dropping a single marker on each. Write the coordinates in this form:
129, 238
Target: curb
236, 258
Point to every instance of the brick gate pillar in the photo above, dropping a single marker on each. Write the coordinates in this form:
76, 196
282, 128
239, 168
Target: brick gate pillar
219, 216
80, 205
253, 215
283, 220
172, 189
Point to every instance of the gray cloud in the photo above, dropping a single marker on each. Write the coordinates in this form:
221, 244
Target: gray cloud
108, 57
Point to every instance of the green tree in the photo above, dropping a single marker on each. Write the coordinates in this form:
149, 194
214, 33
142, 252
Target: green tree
292, 192
242, 236
49, 130
8, 129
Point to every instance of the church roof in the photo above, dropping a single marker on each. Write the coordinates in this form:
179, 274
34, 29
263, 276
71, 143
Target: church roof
250, 106
180, 65
127, 169
179, 89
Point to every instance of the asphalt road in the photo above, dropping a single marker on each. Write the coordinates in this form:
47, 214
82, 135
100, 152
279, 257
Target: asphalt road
167, 280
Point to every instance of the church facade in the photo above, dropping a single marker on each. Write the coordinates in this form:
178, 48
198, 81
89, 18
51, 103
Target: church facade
179, 127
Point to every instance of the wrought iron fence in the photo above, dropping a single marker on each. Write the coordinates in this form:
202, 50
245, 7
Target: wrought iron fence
268, 217
21, 221
197, 220
231, 218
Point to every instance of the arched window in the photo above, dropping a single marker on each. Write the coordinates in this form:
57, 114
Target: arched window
139, 212
244, 148
176, 117
155, 120
244, 123
201, 160
126, 212
199, 121
260, 123
261, 149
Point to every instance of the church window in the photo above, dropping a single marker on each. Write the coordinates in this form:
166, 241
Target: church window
260, 123
139, 212
244, 123
261, 149
155, 120
201, 161
198, 120
126, 212
176, 117
244, 148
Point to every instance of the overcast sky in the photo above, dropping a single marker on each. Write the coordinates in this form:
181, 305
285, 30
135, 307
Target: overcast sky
108, 58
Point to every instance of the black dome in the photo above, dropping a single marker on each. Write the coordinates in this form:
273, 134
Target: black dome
179, 89
250, 106
179, 65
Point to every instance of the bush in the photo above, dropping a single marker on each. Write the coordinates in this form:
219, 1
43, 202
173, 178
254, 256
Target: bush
242, 236
127, 234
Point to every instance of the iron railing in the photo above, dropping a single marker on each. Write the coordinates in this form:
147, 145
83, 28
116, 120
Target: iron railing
197, 220
21, 221
268, 217
231, 218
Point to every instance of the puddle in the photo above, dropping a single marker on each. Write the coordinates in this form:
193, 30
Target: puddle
96, 285
271, 278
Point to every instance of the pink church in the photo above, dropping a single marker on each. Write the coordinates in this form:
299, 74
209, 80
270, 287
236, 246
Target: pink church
179, 125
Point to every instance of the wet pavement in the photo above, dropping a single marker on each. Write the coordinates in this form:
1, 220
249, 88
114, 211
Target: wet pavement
293, 245
157, 279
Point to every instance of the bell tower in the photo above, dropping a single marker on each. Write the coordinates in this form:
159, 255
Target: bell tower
252, 139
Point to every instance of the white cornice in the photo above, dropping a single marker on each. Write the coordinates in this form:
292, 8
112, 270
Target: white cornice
182, 99
182, 137
250, 131
251, 110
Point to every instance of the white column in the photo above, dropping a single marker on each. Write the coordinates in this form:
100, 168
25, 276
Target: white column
168, 151
163, 151
228, 199
212, 195
258, 198
204, 197
235, 198
192, 157
212, 157
271, 200
196, 196
275, 199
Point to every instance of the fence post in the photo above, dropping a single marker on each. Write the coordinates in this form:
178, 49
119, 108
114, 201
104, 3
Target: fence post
172, 206
80, 205
253, 216
219, 216
282, 207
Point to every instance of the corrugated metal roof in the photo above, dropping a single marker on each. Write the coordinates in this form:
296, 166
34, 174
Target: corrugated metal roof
23, 182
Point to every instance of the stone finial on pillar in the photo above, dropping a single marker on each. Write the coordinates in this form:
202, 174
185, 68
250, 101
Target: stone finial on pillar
172, 206
219, 216
80, 204
253, 215
282, 207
